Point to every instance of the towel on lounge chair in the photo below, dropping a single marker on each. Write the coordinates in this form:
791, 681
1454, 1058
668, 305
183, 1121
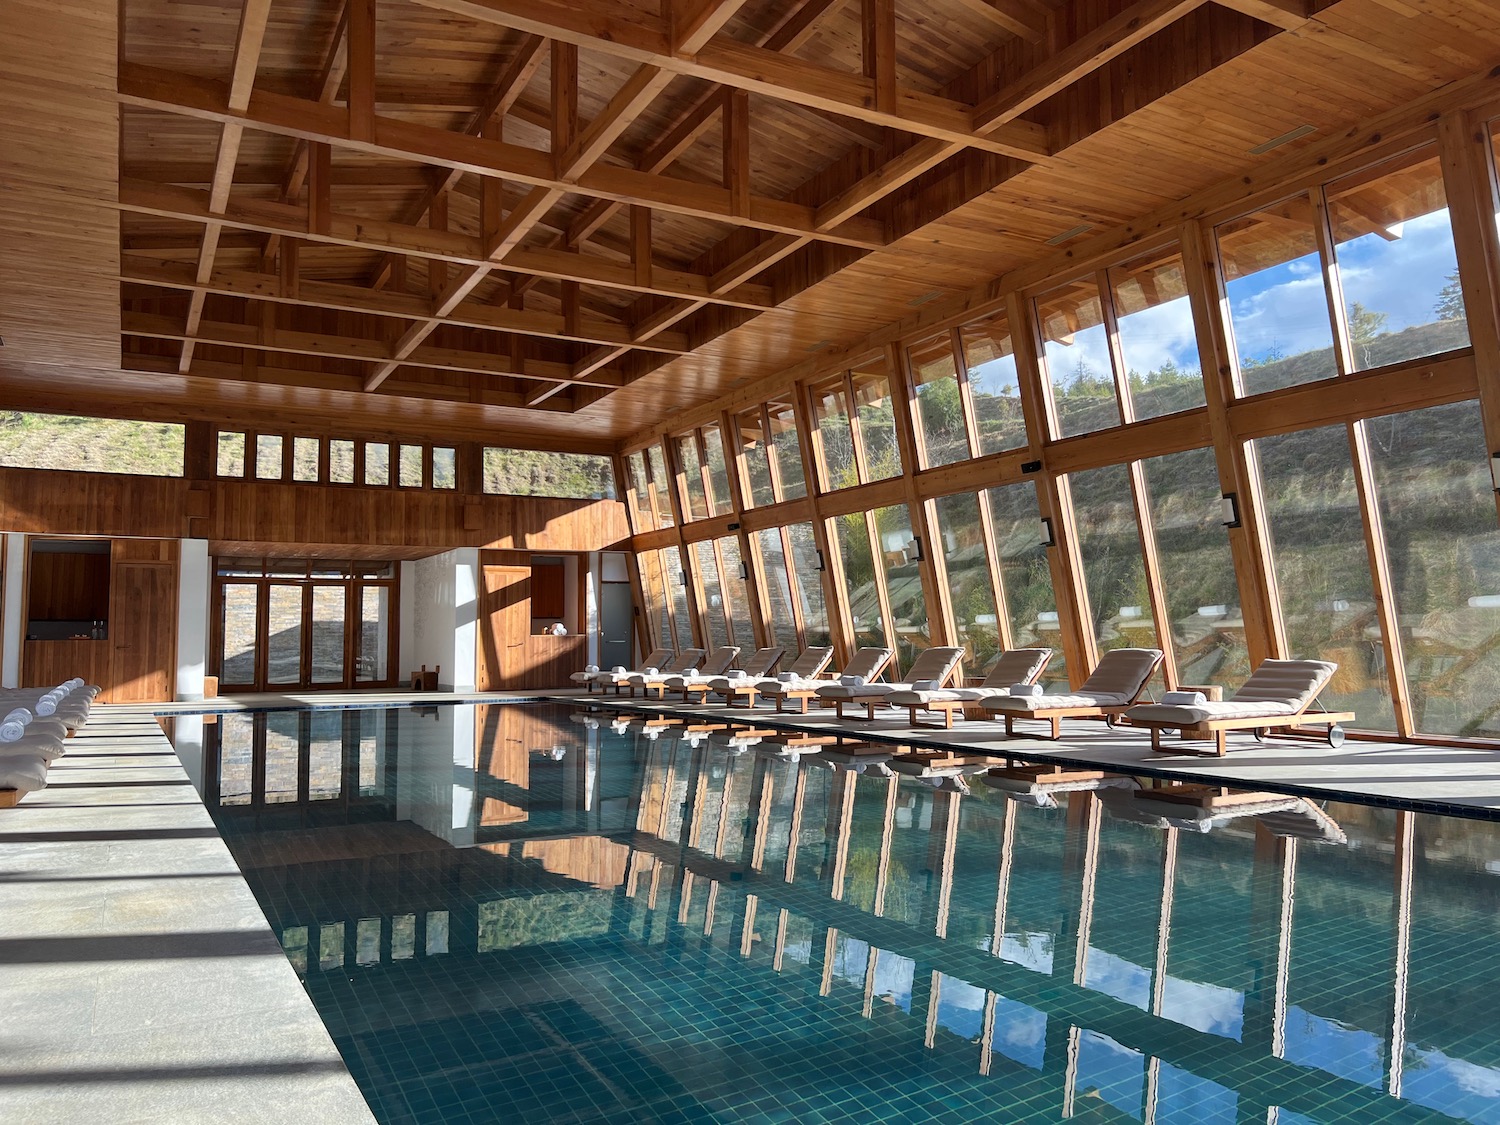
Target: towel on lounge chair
715, 666
1018, 665
684, 662
1025, 689
13, 726
811, 664
935, 665
655, 659
1118, 678
1277, 689
865, 665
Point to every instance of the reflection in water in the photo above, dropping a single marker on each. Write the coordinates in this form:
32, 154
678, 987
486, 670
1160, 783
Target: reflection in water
513, 911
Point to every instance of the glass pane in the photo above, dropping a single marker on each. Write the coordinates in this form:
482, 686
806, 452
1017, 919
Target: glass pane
91, 445
713, 593
409, 468
974, 614
736, 595
672, 575
284, 641
377, 463
374, 634
231, 454
282, 747
787, 451
1113, 571
267, 457
340, 461
1438, 510
661, 485
994, 385
939, 412
830, 405
238, 666
1077, 358
757, 463
1394, 247
1157, 339
809, 585
305, 459
877, 421
328, 634
1322, 570
1197, 572
695, 503
1025, 575
718, 474
536, 472
778, 587
444, 467
1278, 309
863, 598
236, 759
656, 604
640, 488
903, 580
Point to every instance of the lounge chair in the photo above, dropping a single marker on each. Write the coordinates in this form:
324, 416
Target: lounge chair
1202, 808
616, 677
1017, 666
685, 661
759, 664
929, 672
1116, 684
866, 664
805, 669
1038, 785
719, 661
1277, 696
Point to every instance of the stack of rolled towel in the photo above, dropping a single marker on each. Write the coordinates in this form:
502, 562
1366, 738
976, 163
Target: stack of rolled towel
32, 733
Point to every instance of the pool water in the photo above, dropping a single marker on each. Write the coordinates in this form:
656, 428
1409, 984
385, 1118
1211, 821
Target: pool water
506, 913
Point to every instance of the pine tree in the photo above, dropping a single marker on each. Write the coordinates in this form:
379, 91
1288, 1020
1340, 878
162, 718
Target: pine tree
1450, 302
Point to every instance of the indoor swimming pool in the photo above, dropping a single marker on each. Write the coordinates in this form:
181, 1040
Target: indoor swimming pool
536, 914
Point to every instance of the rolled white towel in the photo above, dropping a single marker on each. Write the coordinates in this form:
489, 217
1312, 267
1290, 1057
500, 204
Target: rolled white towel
591, 667
786, 677
20, 715
735, 674
651, 671
852, 681
619, 670
12, 729
1184, 698
62, 689
924, 685
47, 705
1025, 689
76, 681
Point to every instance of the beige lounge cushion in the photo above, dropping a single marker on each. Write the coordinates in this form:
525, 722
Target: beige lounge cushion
657, 658
934, 665
718, 662
1276, 689
1122, 671
760, 662
1022, 704
1016, 666
812, 662
868, 662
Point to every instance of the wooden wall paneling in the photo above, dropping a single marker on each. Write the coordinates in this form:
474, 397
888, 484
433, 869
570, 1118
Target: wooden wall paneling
1469, 181
1249, 544
67, 586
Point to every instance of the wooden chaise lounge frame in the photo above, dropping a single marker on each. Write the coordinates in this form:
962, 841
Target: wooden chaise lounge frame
1313, 715
750, 688
1109, 712
949, 707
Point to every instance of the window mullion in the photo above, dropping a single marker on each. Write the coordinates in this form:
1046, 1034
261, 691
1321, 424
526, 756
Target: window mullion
1151, 560
856, 437
1343, 349
997, 583
1116, 352
965, 395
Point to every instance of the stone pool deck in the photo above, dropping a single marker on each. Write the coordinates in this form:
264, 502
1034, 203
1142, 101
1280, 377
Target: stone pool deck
142, 983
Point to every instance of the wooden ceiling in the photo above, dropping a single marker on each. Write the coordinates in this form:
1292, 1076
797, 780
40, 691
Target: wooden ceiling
559, 221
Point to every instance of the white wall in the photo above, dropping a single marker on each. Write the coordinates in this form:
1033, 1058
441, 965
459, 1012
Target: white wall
192, 618
439, 616
13, 620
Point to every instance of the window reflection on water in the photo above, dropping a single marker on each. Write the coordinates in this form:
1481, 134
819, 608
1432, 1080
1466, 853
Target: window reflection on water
466, 889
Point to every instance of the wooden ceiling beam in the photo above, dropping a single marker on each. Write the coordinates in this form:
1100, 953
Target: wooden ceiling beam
357, 349
254, 17
409, 306
288, 220
1288, 15
166, 91
761, 71
1019, 17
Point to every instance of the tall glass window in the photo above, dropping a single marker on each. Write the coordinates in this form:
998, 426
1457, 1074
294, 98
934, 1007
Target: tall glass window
340, 461
656, 599
1322, 569
862, 594
1437, 508
830, 404
675, 579
716, 611
876, 421
1278, 309
328, 634
377, 463
1397, 266
718, 474
695, 504
1025, 574
966, 561
1113, 569
661, 485
903, 581
1197, 572
1077, 358
753, 443
778, 586
994, 384
736, 593
787, 451
1157, 339
809, 584
939, 412
640, 488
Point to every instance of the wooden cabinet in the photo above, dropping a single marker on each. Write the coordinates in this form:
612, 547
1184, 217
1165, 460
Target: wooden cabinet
49, 663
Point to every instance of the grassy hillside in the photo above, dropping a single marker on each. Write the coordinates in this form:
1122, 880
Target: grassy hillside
100, 445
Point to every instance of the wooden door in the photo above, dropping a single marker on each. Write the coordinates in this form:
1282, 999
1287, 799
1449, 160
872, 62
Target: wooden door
143, 632
504, 623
